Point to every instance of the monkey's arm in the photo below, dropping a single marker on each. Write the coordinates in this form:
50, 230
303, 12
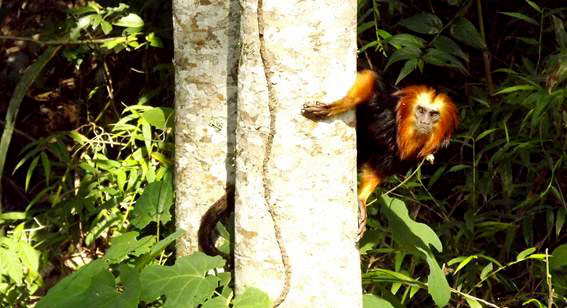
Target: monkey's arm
361, 91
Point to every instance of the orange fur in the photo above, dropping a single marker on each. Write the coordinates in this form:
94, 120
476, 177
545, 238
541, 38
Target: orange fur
412, 144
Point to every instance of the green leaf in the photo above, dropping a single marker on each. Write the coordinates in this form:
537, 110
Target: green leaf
106, 27
253, 298
46, 164
535, 6
424, 23
406, 40
440, 58
216, 302
28, 78
520, 16
384, 275
373, 301
147, 134
511, 89
486, 271
525, 253
154, 40
405, 230
127, 243
78, 137
559, 29
159, 117
408, 67
464, 31
158, 248
437, 284
154, 203
466, 261
130, 21
94, 286
405, 53
30, 172
558, 258
473, 303
485, 133
449, 46
560, 220
114, 42
183, 284
534, 301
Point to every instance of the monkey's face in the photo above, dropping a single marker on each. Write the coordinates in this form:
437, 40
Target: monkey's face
426, 117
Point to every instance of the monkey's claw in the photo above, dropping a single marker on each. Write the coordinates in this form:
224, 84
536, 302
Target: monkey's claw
362, 218
315, 110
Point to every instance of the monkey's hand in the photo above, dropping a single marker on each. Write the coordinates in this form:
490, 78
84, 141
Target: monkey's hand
317, 110
362, 218
430, 158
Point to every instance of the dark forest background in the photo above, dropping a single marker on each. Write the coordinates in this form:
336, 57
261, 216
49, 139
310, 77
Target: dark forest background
86, 105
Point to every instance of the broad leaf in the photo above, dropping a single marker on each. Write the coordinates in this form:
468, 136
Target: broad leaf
373, 301
131, 21
184, 284
441, 58
253, 298
405, 53
154, 203
406, 40
127, 243
464, 31
425, 23
94, 286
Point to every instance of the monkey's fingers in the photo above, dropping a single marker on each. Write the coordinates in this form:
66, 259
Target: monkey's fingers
362, 218
316, 110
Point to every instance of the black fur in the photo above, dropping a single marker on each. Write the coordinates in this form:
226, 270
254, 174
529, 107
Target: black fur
376, 132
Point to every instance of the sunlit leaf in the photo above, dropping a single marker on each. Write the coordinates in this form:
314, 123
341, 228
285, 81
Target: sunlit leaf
131, 21
373, 301
525, 253
253, 298
184, 284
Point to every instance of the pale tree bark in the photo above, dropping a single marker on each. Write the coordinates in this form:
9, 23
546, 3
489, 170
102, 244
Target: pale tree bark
304, 170
206, 57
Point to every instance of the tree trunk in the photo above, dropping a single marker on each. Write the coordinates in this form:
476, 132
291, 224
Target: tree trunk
206, 37
305, 171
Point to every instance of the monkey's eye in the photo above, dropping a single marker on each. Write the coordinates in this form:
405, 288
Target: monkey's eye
420, 110
434, 115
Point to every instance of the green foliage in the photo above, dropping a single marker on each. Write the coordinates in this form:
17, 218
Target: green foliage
498, 202
19, 267
433, 48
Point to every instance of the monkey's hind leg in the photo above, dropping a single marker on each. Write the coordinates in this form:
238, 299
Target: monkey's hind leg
360, 92
369, 180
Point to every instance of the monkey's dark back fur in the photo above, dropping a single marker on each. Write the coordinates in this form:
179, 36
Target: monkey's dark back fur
376, 132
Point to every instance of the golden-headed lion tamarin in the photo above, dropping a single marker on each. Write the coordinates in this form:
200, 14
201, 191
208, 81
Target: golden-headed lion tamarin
393, 131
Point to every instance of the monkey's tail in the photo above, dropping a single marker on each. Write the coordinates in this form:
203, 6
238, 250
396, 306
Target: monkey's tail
216, 212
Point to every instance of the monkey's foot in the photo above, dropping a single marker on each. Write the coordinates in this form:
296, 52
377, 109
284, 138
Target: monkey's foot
316, 110
362, 218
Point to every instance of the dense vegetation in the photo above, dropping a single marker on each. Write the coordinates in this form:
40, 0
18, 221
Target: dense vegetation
87, 90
